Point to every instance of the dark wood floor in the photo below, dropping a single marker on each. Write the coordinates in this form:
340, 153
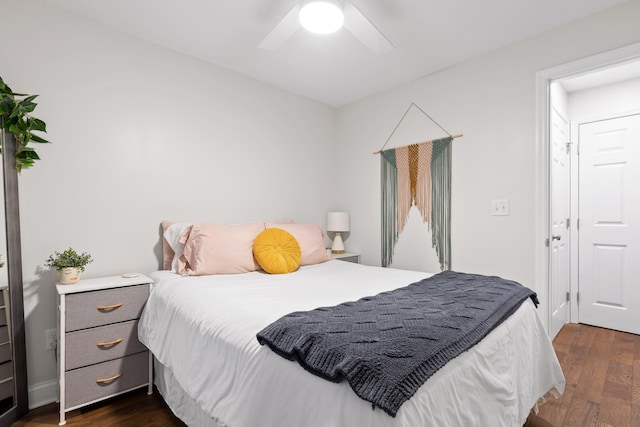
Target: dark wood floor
132, 409
602, 369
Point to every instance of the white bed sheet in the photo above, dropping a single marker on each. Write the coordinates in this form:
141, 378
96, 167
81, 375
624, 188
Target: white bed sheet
203, 331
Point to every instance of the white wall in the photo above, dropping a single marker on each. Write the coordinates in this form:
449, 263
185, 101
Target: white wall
559, 99
491, 100
141, 134
605, 101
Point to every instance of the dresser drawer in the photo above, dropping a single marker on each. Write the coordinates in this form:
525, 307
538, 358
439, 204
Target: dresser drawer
91, 383
4, 333
6, 370
97, 308
6, 389
5, 352
95, 345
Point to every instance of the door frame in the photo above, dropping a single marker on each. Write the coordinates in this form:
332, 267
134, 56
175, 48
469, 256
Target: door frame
544, 78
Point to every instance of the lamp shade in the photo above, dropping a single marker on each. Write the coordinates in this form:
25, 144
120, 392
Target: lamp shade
338, 221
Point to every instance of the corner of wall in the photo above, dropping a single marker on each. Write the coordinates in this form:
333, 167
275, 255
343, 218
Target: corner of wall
43, 393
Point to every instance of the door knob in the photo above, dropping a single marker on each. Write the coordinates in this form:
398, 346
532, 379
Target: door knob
556, 237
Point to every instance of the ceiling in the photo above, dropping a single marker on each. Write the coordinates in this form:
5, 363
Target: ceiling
337, 69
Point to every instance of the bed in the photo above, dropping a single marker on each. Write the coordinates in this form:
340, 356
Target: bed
211, 370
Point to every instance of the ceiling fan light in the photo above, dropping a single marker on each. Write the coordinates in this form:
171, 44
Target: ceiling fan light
321, 17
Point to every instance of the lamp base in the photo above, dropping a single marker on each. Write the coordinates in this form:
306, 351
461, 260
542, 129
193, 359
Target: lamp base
338, 244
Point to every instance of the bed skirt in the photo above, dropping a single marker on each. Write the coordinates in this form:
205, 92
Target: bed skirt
182, 406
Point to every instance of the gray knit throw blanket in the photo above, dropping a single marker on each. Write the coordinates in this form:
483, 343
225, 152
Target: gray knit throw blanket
386, 346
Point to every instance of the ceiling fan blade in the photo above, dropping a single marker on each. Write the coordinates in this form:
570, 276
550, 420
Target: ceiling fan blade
365, 31
282, 31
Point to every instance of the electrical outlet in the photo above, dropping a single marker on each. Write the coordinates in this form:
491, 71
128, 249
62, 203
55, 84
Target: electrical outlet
50, 339
500, 207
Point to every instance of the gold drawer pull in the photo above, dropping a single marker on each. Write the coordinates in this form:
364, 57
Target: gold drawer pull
110, 307
110, 343
108, 380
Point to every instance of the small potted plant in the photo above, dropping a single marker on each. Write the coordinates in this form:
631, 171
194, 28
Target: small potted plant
69, 265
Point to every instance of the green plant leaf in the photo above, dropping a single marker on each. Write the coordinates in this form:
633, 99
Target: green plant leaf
38, 124
36, 138
3, 87
28, 154
27, 107
16, 113
28, 99
6, 105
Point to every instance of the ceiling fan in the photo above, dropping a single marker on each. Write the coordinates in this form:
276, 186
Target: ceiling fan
345, 14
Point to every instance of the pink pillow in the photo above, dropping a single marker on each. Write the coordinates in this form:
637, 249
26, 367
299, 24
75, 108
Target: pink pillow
167, 252
219, 249
310, 237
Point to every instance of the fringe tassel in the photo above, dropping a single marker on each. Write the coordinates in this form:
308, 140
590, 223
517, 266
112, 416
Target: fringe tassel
389, 214
423, 185
405, 196
441, 201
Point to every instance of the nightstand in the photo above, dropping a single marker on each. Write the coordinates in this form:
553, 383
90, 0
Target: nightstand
99, 354
347, 256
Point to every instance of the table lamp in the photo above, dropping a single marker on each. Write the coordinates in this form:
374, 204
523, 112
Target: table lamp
337, 222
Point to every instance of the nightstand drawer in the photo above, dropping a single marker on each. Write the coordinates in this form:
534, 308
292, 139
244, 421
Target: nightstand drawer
347, 257
104, 379
97, 308
95, 345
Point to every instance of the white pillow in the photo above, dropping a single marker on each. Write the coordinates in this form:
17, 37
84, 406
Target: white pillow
172, 236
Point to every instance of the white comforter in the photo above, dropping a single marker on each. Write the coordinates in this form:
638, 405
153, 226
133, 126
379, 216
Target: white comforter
203, 329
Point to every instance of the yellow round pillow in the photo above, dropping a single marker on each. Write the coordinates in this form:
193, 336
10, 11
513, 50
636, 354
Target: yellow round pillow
277, 251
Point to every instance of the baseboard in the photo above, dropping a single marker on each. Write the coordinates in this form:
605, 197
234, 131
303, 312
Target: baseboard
43, 393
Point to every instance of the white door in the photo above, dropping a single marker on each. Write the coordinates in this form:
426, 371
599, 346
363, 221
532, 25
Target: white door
559, 242
609, 204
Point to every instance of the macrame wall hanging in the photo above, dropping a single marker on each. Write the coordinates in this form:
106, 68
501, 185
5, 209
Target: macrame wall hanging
417, 175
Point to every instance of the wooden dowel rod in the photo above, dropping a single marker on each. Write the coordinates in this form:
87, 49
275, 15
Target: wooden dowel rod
452, 136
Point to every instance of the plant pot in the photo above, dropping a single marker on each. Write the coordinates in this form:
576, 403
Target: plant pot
69, 275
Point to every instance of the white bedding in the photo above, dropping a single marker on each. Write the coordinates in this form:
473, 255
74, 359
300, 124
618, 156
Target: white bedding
203, 331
